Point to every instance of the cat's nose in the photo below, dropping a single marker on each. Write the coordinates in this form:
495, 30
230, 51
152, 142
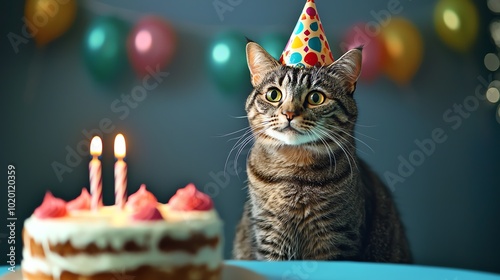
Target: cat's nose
289, 115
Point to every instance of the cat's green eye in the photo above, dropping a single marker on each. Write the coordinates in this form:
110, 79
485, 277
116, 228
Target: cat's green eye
273, 95
315, 98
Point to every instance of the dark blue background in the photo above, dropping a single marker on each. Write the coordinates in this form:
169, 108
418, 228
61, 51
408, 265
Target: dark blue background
450, 204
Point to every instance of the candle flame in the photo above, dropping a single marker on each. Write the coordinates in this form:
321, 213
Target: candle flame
120, 148
96, 146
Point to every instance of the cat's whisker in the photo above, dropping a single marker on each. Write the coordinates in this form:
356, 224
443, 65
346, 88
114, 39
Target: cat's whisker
245, 139
246, 133
234, 132
367, 136
241, 148
329, 150
235, 138
344, 149
337, 135
348, 156
239, 117
361, 125
350, 135
240, 142
348, 132
236, 146
349, 142
357, 132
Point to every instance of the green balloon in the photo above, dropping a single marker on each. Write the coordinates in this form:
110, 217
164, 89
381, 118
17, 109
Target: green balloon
105, 48
227, 61
274, 44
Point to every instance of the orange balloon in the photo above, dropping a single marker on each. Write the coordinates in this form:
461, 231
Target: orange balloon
49, 19
404, 48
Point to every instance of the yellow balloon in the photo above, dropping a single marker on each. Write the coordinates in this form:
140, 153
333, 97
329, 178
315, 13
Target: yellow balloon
404, 48
49, 19
457, 23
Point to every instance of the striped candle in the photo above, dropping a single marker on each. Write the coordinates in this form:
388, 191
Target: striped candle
95, 171
120, 172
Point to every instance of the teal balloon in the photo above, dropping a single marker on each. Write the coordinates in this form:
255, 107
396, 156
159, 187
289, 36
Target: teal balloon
227, 62
105, 48
274, 44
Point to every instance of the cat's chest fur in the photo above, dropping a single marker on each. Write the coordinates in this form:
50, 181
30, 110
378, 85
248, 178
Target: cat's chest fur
296, 203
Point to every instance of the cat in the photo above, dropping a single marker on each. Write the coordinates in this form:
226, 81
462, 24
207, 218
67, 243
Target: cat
310, 196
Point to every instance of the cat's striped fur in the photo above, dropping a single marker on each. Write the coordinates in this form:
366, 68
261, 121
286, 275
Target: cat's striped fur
310, 196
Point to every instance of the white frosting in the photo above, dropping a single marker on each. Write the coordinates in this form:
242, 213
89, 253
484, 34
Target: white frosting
91, 264
113, 227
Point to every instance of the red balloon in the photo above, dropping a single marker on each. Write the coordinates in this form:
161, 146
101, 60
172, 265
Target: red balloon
151, 45
373, 50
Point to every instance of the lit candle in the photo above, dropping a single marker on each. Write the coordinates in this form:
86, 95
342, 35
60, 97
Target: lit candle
95, 171
120, 172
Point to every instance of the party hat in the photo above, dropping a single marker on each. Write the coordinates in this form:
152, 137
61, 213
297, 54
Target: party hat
307, 47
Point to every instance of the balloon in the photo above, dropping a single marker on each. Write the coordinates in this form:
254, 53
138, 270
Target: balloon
404, 48
104, 47
227, 61
49, 19
274, 43
457, 23
150, 45
374, 54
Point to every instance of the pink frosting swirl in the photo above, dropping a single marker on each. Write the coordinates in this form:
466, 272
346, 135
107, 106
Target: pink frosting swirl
82, 202
51, 207
147, 213
141, 199
189, 198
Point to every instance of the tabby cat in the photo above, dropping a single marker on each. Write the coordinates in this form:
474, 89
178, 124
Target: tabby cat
310, 196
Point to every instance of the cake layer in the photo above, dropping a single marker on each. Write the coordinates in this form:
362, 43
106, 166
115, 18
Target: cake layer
166, 244
54, 264
187, 272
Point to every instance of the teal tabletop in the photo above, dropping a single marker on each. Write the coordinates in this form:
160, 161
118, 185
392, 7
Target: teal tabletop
312, 270
319, 270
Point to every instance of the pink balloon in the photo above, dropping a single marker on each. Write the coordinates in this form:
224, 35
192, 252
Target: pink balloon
151, 45
373, 50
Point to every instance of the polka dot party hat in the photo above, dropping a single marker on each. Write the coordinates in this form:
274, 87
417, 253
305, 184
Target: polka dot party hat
307, 47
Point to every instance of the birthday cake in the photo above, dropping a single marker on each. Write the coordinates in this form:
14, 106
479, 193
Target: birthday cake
144, 240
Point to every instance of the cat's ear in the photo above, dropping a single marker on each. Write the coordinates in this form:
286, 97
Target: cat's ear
348, 66
259, 62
